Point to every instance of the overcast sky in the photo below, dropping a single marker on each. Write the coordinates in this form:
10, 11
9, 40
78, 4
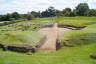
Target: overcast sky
24, 6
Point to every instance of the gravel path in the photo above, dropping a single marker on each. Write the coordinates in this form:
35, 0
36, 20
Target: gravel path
51, 34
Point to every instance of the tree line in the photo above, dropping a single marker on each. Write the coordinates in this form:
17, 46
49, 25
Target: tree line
81, 9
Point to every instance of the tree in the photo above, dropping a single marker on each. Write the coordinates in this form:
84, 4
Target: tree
92, 12
29, 16
36, 14
82, 9
15, 15
6, 17
67, 12
59, 13
45, 14
72, 13
50, 12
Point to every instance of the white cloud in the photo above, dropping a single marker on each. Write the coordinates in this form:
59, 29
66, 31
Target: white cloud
24, 6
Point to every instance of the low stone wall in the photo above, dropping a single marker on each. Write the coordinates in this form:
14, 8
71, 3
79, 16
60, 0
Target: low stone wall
40, 43
93, 55
70, 27
24, 48
21, 48
46, 26
18, 47
1, 45
58, 45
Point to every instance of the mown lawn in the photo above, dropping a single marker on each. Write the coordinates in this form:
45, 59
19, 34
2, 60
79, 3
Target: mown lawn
74, 55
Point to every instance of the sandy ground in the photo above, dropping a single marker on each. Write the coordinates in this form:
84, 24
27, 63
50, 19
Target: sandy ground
51, 34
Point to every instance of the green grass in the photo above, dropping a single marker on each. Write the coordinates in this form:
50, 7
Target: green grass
74, 55
66, 55
44, 21
76, 21
20, 26
21, 37
3, 23
80, 37
39, 22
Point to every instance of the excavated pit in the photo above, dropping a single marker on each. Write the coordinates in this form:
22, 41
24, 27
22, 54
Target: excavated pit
49, 42
52, 32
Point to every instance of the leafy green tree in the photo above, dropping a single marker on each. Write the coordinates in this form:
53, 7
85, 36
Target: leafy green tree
92, 12
36, 14
15, 15
50, 12
72, 13
6, 17
29, 16
45, 14
67, 12
59, 13
82, 9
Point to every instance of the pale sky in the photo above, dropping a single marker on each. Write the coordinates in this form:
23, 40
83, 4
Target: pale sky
24, 6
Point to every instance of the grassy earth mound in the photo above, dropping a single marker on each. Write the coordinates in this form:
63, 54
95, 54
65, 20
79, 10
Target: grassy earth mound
21, 37
79, 37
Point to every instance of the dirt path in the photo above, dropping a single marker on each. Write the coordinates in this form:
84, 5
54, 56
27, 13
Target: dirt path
51, 34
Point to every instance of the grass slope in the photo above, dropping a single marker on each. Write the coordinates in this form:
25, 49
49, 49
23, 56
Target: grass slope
24, 25
21, 37
80, 37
